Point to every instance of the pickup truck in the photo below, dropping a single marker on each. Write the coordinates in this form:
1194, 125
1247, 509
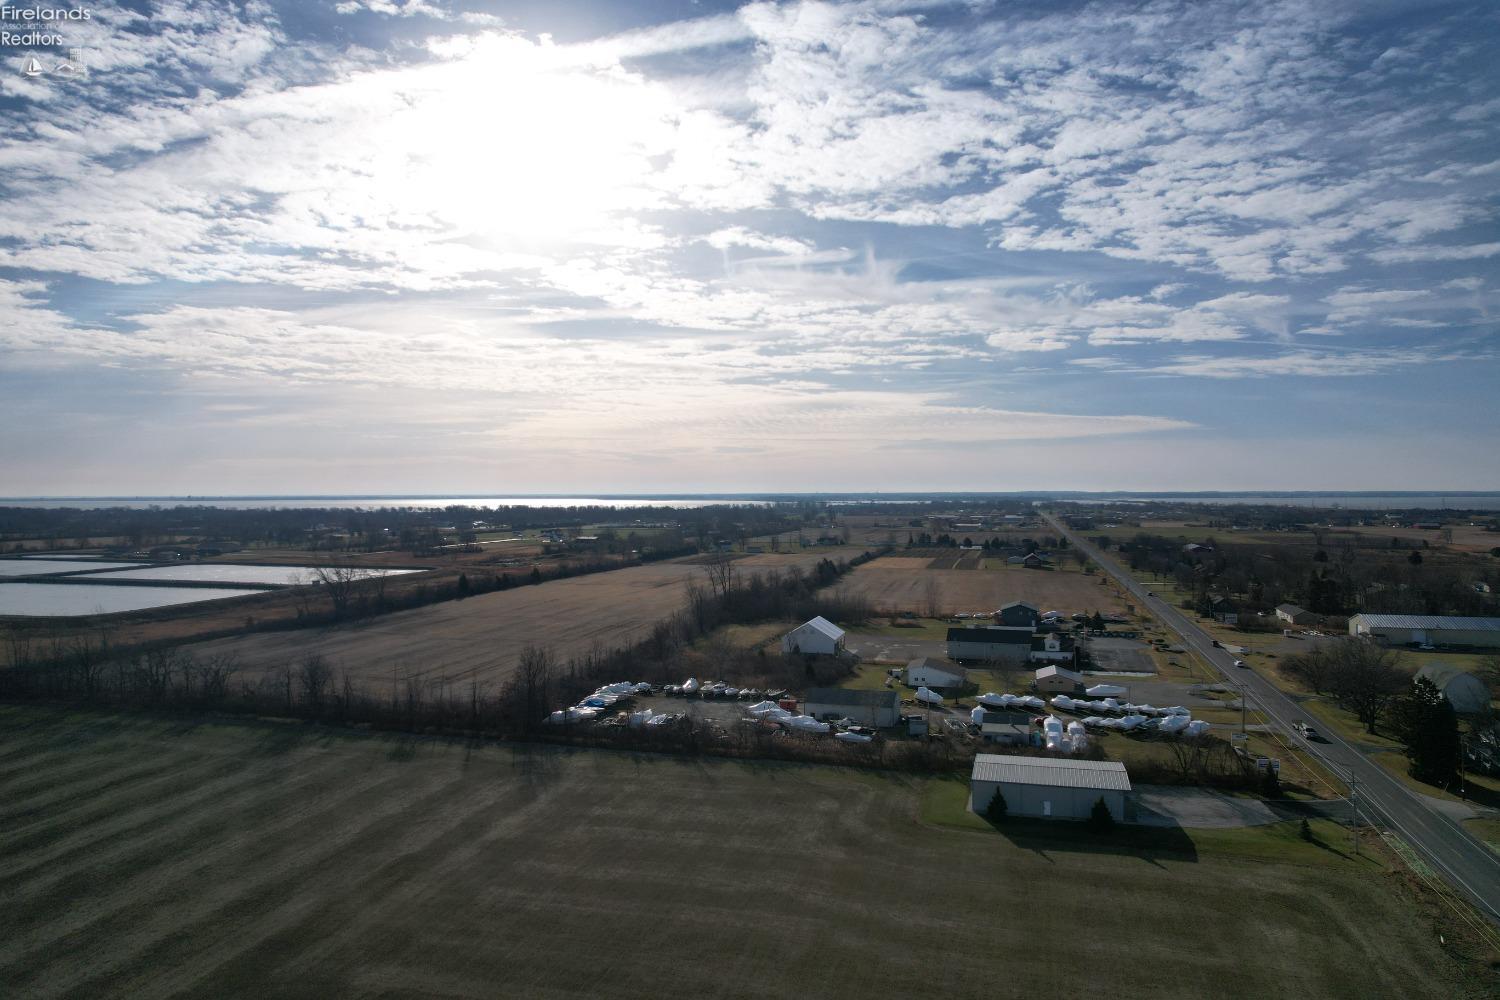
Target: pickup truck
1307, 732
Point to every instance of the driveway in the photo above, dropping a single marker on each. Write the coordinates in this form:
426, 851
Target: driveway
1124, 655
894, 649
1170, 805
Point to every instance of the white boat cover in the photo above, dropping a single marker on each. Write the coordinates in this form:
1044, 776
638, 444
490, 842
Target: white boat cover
1031, 701
762, 707
977, 715
664, 719
691, 686
1075, 729
992, 700
641, 718
852, 738
1105, 691
929, 697
807, 724
1174, 723
1131, 721
1053, 724
1197, 727
1063, 702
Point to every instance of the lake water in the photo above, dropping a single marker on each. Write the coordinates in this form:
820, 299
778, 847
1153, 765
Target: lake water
73, 599
368, 503
43, 567
231, 573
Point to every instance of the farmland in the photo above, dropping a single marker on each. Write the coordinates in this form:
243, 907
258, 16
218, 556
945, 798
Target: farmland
150, 858
907, 583
480, 638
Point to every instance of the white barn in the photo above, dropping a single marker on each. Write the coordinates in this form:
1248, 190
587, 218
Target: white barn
819, 637
927, 672
1048, 787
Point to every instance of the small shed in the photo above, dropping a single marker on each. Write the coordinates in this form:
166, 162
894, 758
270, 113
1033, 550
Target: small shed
818, 637
1465, 692
1293, 615
1048, 787
868, 708
1009, 734
1058, 680
928, 672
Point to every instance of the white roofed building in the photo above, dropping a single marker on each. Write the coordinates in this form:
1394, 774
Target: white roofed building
1047, 787
818, 637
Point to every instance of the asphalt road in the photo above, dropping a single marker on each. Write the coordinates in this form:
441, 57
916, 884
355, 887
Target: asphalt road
1452, 851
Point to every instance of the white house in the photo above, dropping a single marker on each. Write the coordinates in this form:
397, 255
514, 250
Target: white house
819, 637
927, 672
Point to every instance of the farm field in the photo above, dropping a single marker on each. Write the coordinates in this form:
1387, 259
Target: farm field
480, 638
905, 583
150, 858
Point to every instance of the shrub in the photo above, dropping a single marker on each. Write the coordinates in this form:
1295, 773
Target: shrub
996, 811
1305, 831
1100, 820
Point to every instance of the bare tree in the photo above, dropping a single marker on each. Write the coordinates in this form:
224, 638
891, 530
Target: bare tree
719, 568
340, 582
314, 676
534, 674
931, 598
1365, 678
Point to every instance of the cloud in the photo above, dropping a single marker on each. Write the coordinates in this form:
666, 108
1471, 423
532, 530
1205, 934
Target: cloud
1310, 364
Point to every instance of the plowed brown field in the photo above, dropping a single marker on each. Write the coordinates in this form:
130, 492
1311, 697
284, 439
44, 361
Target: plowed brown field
481, 637
902, 584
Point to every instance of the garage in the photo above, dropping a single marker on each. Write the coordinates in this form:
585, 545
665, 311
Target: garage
1048, 788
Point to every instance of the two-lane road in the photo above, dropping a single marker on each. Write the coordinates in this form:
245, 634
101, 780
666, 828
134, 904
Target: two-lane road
1451, 850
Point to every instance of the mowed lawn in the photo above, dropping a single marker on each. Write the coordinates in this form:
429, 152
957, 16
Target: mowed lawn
148, 858
481, 637
903, 583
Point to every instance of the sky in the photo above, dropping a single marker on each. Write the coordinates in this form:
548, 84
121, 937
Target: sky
418, 246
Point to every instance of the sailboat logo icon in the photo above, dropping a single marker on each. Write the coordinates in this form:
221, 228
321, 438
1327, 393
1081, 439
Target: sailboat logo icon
32, 67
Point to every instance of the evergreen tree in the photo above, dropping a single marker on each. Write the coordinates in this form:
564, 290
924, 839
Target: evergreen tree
1270, 783
1100, 820
463, 585
1428, 726
996, 811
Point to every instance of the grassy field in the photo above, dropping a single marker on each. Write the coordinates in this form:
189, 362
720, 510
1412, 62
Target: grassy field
480, 638
902, 583
150, 858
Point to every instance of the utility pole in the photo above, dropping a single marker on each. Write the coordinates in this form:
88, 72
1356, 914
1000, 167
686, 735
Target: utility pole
1354, 796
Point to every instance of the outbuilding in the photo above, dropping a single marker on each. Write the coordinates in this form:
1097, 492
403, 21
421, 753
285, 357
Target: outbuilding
1018, 614
1424, 630
1293, 615
928, 672
989, 644
1048, 787
868, 708
819, 637
1465, 692
1058, 680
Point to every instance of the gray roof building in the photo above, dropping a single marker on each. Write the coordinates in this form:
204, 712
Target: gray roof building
1103, 775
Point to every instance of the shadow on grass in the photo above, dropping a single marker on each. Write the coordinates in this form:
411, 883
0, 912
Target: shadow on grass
1042, 837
